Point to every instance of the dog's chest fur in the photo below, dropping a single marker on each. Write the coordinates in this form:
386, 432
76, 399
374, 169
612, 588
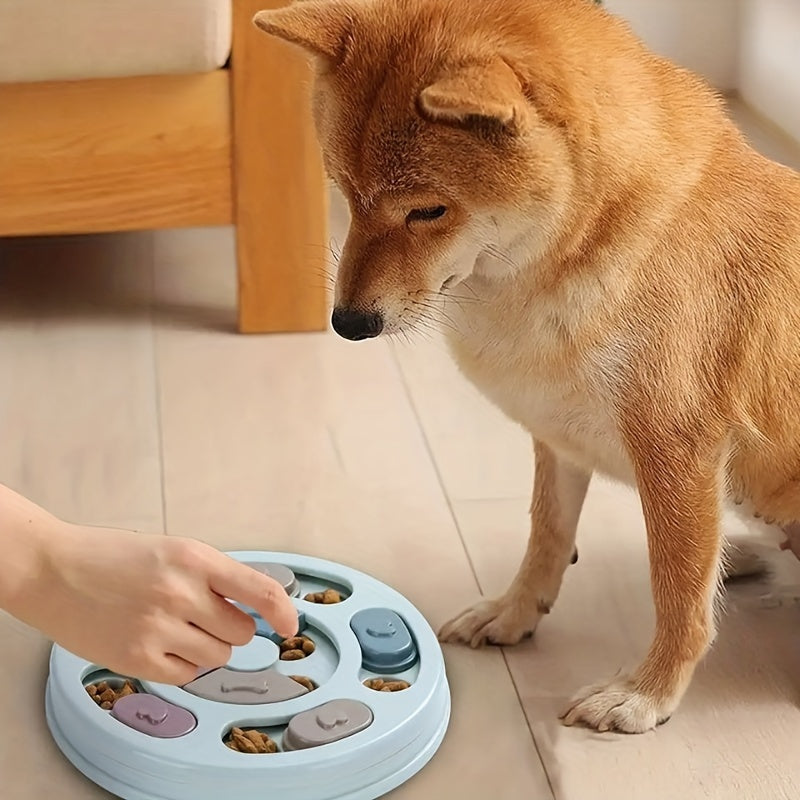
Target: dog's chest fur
524, 361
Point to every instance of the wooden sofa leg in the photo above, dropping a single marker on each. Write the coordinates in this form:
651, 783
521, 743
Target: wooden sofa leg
281, 207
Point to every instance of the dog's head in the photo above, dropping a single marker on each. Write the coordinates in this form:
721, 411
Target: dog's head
445, 125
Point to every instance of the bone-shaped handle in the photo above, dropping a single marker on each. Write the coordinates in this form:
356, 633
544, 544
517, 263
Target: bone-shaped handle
153, 719
329, 719
244, 688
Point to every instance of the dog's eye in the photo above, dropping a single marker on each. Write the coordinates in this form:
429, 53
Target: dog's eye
426, 214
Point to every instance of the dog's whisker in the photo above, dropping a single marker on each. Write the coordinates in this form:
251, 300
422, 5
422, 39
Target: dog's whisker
436, 324
495, 252
450, 295
436, 314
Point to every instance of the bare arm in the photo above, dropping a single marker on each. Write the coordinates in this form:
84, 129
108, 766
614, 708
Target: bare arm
144, 605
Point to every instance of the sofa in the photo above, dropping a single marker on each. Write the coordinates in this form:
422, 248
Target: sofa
143, 114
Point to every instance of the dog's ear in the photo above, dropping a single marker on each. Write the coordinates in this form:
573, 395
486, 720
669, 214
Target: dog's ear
318, 26
490, 92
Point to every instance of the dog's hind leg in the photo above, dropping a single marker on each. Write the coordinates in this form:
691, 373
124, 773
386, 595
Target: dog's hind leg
558, 493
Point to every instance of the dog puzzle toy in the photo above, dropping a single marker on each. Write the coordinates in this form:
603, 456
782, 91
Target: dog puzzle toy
350, 708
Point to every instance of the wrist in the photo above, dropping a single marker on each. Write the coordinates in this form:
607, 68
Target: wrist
30, 537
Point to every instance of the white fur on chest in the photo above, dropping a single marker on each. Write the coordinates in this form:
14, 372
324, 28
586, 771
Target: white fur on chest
516, 367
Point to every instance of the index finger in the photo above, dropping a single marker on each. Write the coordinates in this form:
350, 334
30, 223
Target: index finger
241, 583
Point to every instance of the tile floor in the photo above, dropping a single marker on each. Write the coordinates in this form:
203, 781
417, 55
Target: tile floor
127, 400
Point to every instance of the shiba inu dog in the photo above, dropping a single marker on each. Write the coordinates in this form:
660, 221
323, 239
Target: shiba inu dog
630, 270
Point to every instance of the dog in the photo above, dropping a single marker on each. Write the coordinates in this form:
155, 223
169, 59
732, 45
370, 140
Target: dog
621, 273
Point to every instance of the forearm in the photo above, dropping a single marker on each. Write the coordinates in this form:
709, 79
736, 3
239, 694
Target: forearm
25, 532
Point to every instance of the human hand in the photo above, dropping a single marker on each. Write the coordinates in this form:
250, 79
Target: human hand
148, 606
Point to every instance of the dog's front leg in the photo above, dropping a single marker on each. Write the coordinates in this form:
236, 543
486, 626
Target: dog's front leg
559, 490
680, 493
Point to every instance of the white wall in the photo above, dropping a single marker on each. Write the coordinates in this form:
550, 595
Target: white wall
701, 35
769, 60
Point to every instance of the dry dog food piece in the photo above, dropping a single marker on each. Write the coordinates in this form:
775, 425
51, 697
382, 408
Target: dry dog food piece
303, 681
296, 648
292, 655
105, 695
328, 597
250, 741
383, 685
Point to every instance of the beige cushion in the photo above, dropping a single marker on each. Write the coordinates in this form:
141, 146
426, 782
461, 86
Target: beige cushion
75, 39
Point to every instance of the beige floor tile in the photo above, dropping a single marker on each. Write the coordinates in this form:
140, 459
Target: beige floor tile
488, 752
77, 393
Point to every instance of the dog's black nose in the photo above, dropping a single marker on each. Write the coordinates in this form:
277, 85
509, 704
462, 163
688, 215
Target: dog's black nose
356, 325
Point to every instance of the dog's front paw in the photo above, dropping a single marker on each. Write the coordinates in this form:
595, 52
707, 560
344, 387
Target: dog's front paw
498, 622
617, 706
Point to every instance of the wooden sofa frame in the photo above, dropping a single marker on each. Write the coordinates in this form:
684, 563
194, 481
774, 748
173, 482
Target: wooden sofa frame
235, 145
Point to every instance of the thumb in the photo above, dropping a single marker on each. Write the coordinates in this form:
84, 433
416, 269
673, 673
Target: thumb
241, 583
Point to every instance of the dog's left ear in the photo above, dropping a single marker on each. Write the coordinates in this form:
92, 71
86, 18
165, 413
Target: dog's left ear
318, 26
490, 92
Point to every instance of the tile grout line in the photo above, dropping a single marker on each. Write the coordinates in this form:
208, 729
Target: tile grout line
528, 724
448, 500
157, 383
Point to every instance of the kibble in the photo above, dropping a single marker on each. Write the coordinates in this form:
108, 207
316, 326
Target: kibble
303, 681
328, 597
296, 647
105, 695
292, 655
250, 741
383, 685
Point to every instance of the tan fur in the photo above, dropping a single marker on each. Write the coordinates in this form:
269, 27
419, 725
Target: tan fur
617, 270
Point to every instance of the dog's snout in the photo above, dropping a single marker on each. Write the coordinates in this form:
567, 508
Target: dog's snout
356, 325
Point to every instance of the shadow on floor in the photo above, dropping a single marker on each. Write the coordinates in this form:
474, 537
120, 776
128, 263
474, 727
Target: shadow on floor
96, 279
